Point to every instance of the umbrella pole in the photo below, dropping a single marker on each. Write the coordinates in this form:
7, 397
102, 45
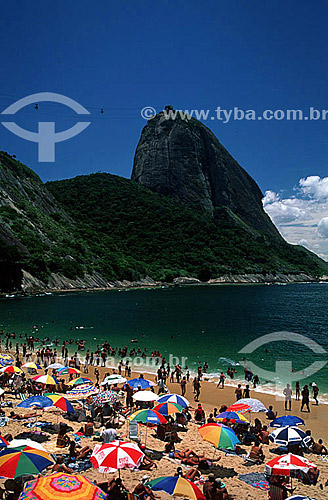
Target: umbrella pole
146, 434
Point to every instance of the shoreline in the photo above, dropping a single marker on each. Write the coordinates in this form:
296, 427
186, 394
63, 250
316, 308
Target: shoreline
238, 280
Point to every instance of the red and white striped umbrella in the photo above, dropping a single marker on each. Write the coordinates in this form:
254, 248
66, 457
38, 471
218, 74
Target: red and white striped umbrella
110, 457
282, 466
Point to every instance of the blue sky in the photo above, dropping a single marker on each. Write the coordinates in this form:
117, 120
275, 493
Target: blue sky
193, 55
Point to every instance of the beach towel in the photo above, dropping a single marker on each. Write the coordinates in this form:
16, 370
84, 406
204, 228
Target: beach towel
256, 480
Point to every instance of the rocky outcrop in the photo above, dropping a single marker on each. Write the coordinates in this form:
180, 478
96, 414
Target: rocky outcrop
182, 158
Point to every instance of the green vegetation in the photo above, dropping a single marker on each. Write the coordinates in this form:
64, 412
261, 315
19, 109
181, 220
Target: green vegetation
111, 225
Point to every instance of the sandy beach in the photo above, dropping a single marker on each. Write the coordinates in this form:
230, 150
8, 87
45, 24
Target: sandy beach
228, 468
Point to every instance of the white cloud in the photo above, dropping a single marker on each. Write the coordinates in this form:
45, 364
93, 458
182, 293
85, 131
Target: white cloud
302, 219
323, 227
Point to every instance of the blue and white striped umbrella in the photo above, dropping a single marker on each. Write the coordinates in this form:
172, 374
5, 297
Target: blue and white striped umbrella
287, 421
255, 404
300, 497
285, 435
174, 398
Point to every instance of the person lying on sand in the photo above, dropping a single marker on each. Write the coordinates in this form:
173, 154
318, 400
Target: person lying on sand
16, 416
78, 454
319, 448
191, 474
59, 466
143, 491
189, 457
147, 464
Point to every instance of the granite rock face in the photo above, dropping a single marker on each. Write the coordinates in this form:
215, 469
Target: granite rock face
182, 158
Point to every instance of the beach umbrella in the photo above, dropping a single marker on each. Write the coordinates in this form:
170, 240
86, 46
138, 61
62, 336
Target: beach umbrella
110, 457
45, 379
6, 359
60, 402
239, 408
82, 391
113, 380
15, 462
176, 486
219, 435
55, 366
67, 370
21, 444
11, 369
3, 442
140, 383
255, 404
300, 497
232, 417
32, 365
168, 408
286, 435
148, 417
105, 397
286, 465
174, 398
286, 420
80, 381
61, 486
145, 396
38, 401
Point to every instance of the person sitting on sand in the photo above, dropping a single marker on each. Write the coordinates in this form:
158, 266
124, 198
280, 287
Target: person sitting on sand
319, 448
256, 453
74, 454
116, 489
63, 439
200, 415
215, 489
59, 466
270, 414
222, 409
87, 428
210, 419
263, 435
278, 489
143, 491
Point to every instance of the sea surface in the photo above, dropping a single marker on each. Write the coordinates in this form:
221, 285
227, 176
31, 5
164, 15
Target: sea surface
200, 323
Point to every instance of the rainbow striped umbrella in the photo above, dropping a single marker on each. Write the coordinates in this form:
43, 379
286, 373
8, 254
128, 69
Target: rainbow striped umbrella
168, 408
176, 486
15, 462
231, 417
80, 381
61, 487
67, 370
45, 379
11, 369
61, 402
148, 417
220, 435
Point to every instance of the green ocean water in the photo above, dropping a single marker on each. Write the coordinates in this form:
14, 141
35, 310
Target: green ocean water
200, 323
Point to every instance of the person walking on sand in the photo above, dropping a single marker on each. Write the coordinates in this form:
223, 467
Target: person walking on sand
221, 380
315, 390
197, 388
183, 384
239, 392
297, 391
305, 398
288, 397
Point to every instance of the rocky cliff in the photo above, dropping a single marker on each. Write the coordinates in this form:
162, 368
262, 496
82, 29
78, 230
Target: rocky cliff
182, 158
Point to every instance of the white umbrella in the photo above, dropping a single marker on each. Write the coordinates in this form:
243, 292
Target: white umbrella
55, 366
20, 443
145, 396
113, 380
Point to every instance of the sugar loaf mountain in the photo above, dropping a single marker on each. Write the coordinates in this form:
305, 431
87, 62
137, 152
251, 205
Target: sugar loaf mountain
190, 213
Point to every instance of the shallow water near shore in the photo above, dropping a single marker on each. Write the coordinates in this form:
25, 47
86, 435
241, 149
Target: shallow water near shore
200, 323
